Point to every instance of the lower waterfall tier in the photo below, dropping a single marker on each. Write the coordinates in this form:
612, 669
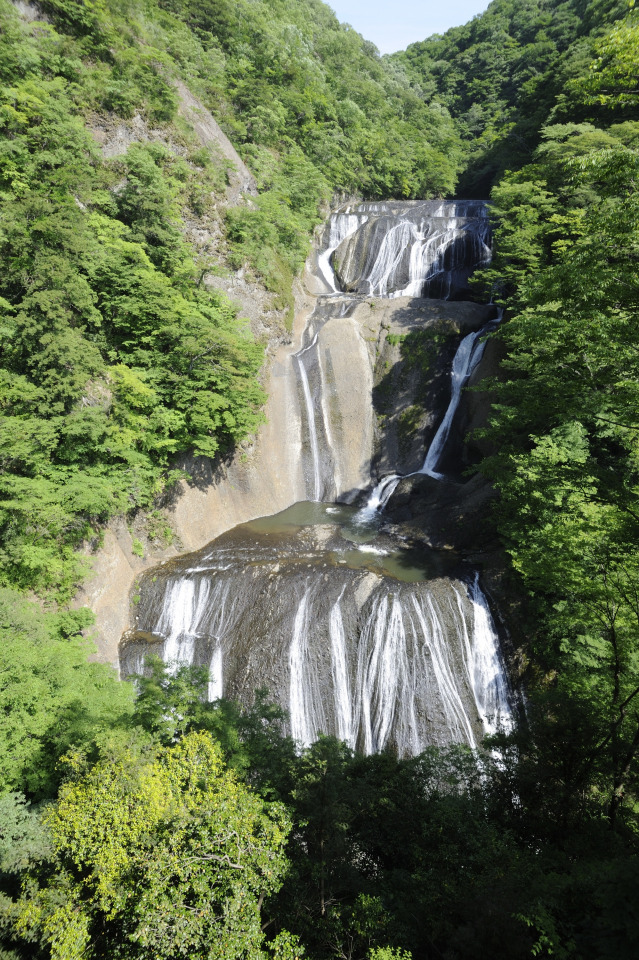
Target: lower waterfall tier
377, 641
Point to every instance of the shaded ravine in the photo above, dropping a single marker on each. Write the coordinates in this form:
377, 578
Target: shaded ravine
358, 634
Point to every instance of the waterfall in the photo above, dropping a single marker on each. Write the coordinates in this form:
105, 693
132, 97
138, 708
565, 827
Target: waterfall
393, 249
467, 357
377, 662
409, 249
465, 362
216, 675
378, 498
488, 677
318, 457
357, 639
184, 604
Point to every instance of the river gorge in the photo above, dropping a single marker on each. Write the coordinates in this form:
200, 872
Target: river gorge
357, 625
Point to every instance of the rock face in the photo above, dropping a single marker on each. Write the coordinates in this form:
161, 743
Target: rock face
241, 181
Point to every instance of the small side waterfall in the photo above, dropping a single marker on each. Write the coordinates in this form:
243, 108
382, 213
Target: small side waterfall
379, 497
465, 362
358, 634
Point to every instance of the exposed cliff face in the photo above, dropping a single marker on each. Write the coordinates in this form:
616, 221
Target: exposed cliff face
117, 562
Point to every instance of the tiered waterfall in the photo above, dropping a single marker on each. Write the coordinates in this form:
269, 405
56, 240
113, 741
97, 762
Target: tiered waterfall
356, 632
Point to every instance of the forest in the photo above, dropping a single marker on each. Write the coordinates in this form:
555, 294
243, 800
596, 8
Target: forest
140, 820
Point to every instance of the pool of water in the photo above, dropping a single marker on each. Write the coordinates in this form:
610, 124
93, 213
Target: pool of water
356, 544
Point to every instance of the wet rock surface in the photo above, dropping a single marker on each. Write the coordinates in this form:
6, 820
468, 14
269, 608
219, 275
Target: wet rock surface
412, 248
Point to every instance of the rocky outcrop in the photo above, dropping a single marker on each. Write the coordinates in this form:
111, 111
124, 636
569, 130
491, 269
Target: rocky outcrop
115, 135
241, 181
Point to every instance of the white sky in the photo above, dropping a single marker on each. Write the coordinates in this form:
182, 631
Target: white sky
393, 24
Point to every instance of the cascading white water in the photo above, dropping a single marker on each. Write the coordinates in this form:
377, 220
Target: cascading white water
194, 607
216, 675
353, 652
341, 681
465, 362
182, 610
410, 249
341, 226
404, 666
390, 255
319, 461
312, 427
488, 677
300, 708
378, 498
430, 621
467, 357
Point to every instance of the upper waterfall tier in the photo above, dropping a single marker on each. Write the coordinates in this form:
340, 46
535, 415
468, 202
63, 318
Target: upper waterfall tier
406, 249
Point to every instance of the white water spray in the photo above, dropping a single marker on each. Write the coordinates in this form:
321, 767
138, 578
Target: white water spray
467, 357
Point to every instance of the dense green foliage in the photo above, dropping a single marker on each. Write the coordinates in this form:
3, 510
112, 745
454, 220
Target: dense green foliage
314, 110
566, 425
158, 856
505, 73
290, 73
114, 359
50, 697
165, 844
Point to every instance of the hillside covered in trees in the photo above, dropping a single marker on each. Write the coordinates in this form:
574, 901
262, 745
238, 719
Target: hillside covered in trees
148, 823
